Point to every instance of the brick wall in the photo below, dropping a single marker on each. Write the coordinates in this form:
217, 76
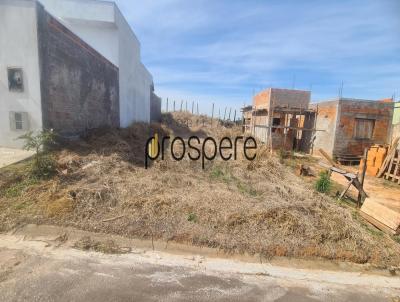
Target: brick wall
79, 87
282, 97
291, 98
261, 100
326, 126
349, 110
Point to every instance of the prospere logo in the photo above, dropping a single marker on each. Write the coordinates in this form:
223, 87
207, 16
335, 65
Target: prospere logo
195, 149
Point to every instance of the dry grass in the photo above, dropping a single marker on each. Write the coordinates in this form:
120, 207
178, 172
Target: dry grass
236, 206
106, 247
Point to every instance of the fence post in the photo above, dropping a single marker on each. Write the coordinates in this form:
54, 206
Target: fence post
174, 106
167, 104
234, 117
192, 107
181, 105
212, 114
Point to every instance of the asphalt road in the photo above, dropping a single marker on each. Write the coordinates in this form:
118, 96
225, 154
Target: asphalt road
36, 270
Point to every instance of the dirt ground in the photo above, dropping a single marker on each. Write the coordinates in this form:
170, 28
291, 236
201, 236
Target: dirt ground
379, 189
237, 206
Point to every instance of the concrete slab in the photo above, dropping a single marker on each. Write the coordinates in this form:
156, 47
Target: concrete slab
10, 156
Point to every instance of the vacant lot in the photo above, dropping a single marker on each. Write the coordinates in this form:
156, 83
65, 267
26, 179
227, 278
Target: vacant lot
237, 206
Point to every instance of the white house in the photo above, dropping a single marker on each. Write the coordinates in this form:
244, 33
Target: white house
68, 64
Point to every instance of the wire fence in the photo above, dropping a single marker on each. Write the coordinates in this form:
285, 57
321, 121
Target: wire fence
224, 115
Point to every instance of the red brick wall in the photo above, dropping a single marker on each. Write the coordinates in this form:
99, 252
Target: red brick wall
349, 110
261, 100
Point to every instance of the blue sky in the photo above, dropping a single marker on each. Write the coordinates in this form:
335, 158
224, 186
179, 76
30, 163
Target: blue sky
224, 51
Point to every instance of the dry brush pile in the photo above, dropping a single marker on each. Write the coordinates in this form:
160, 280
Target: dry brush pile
237, 206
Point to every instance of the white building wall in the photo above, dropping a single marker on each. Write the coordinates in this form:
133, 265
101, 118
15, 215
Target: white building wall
101, 25
135, 80
19, 49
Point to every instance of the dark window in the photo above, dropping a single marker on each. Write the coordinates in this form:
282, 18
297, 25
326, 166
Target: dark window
276, 121
15, 80
364, 128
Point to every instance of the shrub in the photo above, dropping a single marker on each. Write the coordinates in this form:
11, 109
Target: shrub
44, 165
192, 217
323, 183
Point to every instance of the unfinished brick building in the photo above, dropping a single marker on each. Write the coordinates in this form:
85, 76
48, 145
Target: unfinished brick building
281, 118
347, 126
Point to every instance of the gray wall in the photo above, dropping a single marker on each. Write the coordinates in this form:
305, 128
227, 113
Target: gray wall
80, 88
155, 108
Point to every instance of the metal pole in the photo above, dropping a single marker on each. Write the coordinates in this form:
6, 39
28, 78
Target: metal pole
167, 104
229, 118
174, 106
192, 107
224, 113
186, 105
181, 105
197, 108
234, 117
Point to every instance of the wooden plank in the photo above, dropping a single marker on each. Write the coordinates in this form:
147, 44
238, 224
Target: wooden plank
391, 153
328, 158
345, 190
392, 176
390, 167
381, 213
396, 169
378, 224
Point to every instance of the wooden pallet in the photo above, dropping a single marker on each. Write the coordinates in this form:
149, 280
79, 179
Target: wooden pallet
390, 168
393, 171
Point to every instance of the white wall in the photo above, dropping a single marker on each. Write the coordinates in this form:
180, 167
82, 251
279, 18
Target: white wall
19, 48
135, 80
92, 21
327, 120
101, 25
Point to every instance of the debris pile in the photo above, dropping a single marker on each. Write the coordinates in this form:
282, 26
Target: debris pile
258, 207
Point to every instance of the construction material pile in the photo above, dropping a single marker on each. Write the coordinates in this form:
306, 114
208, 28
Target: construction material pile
376, 156
385, 216
237, 206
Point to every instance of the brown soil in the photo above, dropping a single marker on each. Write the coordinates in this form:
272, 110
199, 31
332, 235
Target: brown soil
237, 206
